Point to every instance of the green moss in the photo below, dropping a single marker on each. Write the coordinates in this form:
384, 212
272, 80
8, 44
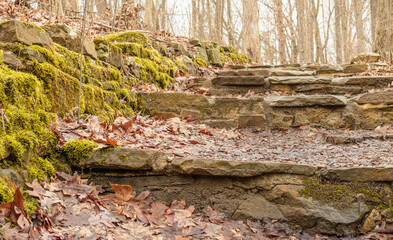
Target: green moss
34, 26
180, 65
6, 191
200, 62
1, 56
31, 204
133, 37
242, 58
77, 149
40, 169
342, 195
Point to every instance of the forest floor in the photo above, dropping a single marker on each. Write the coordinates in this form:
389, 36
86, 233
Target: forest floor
72, 209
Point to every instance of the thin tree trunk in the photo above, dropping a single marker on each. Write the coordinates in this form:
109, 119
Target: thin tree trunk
344, 29
209, 19
149, 9
301, 28
337, 14
163, 15
201, 19
310, 35
219, 20
373, 9
231, 34
250, 31
361, 39
280, 29
193, 19
318, 42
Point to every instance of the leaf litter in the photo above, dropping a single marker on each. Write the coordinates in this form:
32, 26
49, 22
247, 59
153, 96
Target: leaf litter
86, 213
186, 138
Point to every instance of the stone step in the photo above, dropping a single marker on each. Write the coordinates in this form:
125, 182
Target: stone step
308, 85
245, 72
249, 81
286, 192
365, 111
306, 101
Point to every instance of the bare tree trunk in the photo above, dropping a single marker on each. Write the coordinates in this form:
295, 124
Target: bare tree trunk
318, 42
339, 50
163, 15
149, 9
201, 19
310, 34
219, 20
231, 33
301, 28
193, 19
383, 34
373, 9
280, 29
344, 29
361, 39
209, 19
250, 31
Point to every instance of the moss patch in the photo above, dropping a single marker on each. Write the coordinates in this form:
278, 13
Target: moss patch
344, 194
128, 36
6, 191
77, 149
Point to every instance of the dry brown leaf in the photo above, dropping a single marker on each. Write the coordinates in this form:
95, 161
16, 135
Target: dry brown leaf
122, 192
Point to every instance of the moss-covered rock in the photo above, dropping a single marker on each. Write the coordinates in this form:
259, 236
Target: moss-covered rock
77, 149
21, 32
70, 38
128, 36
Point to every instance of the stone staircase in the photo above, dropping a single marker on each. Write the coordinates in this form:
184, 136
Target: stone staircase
283, 97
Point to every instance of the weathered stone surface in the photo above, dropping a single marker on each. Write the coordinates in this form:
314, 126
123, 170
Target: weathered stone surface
372, 220
305, 101
313, 215
12, 175
257, 208
195, 42
178, 48
300, 80
173, 102
15, 31
356, 68
239, 81
71, 38
11, 60
384, 98
203, 54
245, 72
378, 81
283, 72
31, 54
342, 90
124, 158
235, 67
258, 121
367, 57
365, 174
134, 67
325, 68
191, 69
109, 53
214, 57
213, 167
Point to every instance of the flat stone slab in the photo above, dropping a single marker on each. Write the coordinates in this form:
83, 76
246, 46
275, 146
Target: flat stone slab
294, 80
364, 174
283, 72
123, 159
377, 98
239, 81
245, 72
306, 101
364, 80
213, 167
